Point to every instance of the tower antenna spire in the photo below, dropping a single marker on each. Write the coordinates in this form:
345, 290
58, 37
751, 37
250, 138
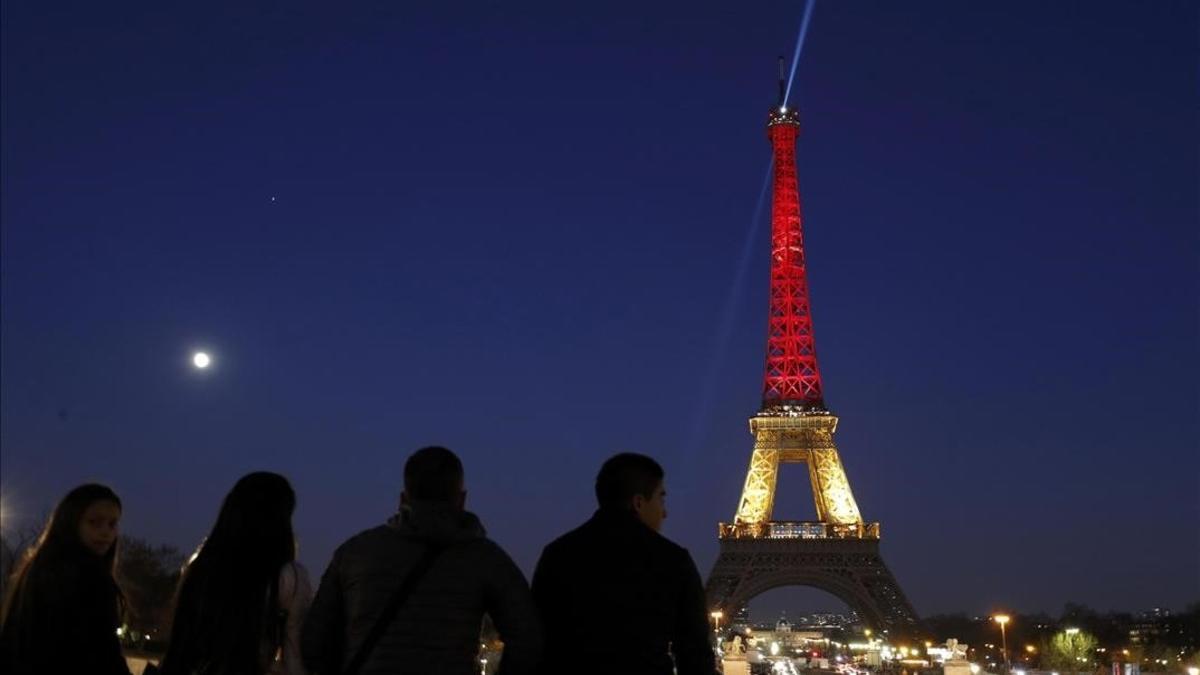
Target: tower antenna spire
782, 83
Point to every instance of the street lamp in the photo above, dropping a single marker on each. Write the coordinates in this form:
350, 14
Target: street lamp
1003, 620
716, 616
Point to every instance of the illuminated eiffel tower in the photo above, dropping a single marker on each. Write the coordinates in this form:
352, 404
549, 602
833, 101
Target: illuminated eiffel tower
839, 552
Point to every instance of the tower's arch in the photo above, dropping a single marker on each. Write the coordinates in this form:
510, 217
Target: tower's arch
836, 585
849, 568
795, 603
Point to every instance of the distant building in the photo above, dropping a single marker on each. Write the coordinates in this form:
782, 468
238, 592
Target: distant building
1150, 626
741, 617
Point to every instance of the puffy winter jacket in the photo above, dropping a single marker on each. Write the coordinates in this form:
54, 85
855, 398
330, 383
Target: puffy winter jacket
437, 629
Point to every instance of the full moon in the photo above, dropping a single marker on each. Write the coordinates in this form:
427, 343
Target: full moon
201, 360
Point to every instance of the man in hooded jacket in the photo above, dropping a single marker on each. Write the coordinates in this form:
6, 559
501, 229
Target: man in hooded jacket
437, 629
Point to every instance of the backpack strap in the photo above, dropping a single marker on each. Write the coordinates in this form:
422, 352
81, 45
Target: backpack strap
393, 606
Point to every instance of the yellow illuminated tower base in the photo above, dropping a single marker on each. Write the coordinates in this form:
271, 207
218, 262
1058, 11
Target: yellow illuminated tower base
837, 553
802, 438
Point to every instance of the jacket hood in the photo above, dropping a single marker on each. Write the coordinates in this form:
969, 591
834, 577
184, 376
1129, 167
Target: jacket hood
436, 522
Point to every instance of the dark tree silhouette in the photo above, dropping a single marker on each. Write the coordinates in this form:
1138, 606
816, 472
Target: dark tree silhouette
14, 542
148, 576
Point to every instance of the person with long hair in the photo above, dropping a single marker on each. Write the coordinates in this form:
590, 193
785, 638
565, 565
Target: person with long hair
63, 606
242, 599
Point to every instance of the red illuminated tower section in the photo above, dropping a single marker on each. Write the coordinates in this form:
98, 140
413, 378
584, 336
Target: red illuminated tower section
792, 379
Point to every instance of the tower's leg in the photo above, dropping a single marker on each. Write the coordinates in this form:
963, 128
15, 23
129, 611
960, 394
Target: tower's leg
725, 581
758, 495
835, 500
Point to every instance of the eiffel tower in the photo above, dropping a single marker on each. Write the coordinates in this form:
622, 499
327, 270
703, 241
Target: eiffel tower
838, 552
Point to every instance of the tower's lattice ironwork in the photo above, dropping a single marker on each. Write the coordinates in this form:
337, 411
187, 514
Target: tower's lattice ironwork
838, 552
791, 376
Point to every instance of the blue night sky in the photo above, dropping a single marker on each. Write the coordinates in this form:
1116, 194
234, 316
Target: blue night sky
517, 229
